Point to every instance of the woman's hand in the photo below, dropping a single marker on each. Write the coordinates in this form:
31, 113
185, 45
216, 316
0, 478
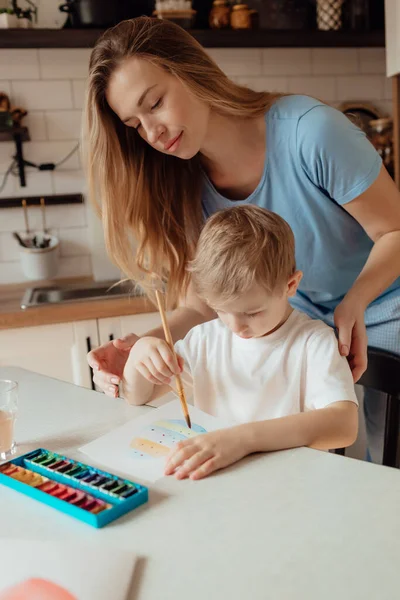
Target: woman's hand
154, 359
199, 456
108, 362
352, 334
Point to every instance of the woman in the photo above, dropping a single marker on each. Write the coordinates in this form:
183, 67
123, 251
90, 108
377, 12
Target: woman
170, 139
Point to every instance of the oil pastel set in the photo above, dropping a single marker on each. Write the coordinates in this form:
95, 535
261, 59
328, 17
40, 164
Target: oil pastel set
86, 493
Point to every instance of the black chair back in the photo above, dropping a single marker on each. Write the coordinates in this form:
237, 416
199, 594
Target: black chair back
383, 374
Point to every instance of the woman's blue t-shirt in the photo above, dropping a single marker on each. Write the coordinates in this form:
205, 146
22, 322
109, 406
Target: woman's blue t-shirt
316, 162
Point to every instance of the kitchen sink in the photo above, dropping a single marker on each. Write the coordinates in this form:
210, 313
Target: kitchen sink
42, 296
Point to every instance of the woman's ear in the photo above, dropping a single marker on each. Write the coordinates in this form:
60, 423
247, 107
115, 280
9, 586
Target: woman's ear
293, 283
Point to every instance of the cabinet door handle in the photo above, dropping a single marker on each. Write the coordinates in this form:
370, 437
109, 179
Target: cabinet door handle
89, 348
111, 337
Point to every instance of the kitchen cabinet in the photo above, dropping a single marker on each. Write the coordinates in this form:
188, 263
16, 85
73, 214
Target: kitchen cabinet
45, 349
60, 350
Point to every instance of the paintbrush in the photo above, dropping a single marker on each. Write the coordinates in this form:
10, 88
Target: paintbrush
170, 342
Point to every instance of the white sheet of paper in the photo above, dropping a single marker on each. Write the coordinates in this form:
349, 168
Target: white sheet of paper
139, 448
64, 570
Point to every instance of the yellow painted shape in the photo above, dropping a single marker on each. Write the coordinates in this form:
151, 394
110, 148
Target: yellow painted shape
148, 447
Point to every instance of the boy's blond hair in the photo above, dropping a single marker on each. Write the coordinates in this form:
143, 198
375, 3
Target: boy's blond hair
239, 247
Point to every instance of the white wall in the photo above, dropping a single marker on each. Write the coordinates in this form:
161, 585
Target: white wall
50, 83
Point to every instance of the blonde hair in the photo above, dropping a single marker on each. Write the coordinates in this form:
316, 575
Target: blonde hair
150, 203
239, 247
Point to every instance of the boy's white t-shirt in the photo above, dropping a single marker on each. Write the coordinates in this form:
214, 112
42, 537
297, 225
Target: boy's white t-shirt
296, 368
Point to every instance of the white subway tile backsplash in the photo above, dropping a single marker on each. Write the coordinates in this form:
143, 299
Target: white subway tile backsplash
7, 151
9, 247
36, 123
69, 182
265, 84
386, 106
322, 88
19, 64
42, 95
360, 87
44, 152
8, 190
387, 88
74, 241
38, 183
64, 124
50, 84
60, 63
10, 272
78, 92
74, 266
234, 61
58, 216
5, 86
66, 215
334, 61
286, 61
372, 60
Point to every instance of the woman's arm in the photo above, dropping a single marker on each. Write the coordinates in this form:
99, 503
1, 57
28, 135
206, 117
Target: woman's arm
108, 361
378, 212
335, 426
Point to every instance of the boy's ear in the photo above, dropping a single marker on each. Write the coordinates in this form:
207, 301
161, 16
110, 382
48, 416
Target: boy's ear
293, 283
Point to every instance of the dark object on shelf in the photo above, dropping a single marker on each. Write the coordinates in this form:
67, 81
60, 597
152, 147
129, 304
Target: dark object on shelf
209, 38
18, 135
285, 14
220, 15
358, 15
361, 113
202, 8
6, 121
35, 200
103, 13
254, 18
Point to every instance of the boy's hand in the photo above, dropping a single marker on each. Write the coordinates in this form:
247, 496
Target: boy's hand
154, 359
199, 456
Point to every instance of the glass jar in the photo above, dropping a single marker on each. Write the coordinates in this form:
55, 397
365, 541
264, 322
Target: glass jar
240, 17
219, 15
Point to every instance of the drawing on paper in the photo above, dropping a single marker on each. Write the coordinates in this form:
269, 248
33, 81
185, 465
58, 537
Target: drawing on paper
157, 439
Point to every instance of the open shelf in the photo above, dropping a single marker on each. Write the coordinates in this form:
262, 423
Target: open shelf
209, 38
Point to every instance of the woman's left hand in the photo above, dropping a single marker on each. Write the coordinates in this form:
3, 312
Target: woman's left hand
352, 334
199, 456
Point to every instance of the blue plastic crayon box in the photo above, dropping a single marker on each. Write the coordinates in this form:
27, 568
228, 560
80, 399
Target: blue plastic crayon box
86, 493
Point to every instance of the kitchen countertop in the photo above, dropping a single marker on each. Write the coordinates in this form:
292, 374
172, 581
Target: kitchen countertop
12, 315
294, 525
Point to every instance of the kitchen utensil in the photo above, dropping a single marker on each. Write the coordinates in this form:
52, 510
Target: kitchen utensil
19, 239
24, 206
40, 262
43, 209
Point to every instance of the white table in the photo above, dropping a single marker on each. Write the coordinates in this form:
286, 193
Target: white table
292, 525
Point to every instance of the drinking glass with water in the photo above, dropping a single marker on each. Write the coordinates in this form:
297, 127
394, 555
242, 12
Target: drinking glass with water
8, 413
